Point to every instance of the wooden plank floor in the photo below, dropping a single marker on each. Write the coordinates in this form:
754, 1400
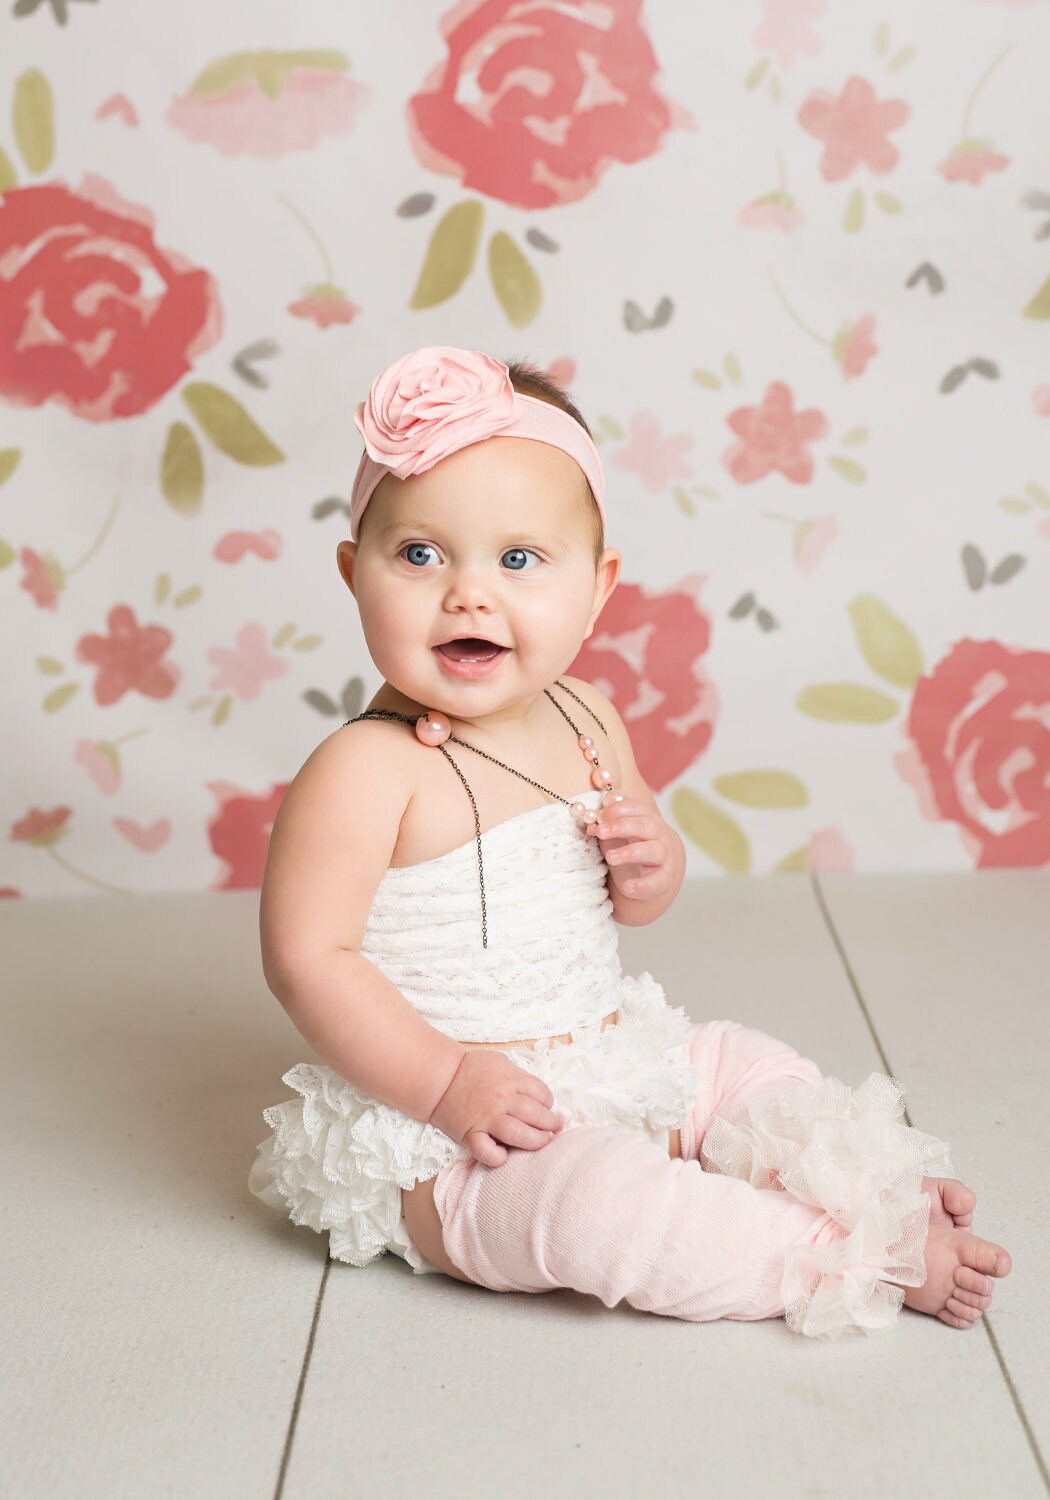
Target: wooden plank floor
165, 1334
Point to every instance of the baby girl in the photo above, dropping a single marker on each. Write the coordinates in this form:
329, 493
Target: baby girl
496, 1100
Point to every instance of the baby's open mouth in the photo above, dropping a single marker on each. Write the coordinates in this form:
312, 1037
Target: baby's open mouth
470, 648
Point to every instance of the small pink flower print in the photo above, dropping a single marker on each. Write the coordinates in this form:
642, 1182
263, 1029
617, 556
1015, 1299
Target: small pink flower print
246, 668
980, 730
100, 761
777, 211
534, 103
239, 833
119, 105
129, 658
656, 459
268, 103
38, 580
815, 539
324, 305
236, 545
829, 851
773, 438
145, 840
42, 828
562, 371
972, 166
785, 30
646, 654
858, 348
854, 127
1041, 400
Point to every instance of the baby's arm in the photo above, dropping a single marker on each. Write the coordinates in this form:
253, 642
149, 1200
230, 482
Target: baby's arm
329, 848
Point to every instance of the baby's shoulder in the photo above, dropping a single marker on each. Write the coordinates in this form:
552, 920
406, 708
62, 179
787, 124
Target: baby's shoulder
369, 760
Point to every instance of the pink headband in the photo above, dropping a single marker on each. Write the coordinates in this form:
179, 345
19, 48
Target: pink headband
439, 399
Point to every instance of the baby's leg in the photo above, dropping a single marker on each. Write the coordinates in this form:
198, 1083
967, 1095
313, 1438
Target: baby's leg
606, 1212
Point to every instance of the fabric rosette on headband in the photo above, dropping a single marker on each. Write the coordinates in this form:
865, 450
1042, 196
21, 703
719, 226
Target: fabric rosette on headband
438, 399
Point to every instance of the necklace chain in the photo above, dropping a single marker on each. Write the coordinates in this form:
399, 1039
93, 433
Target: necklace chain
389, 713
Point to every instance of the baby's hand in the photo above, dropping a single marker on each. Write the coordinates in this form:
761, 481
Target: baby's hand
637, 848
490, 1100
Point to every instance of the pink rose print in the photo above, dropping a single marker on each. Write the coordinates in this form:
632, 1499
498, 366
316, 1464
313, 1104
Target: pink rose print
980, 726
145, 840
785, 30
646, 655
773, 438
657, 459
854, 127
534, 103
129, 658
92, 314
240, 833
828, 851
249, 666
268, 103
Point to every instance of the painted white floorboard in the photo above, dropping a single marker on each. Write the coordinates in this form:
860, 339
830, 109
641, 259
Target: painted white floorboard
157, 1317
519, 1395
955, 973
154, 1324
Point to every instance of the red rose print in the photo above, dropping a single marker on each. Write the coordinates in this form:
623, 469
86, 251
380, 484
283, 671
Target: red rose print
92, 314
240, 833
646, 655
129, 658
773, 436
532, 104
980, 726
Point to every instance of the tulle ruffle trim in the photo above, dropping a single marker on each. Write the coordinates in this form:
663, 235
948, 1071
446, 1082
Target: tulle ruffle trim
846, 1151
337, 1157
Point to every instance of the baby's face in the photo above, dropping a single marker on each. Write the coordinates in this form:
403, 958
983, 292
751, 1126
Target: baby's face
494, 543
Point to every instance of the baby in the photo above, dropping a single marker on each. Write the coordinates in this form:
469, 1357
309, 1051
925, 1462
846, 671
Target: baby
496, 1100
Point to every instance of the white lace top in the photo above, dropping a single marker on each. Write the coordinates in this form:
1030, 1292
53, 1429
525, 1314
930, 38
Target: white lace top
551, 962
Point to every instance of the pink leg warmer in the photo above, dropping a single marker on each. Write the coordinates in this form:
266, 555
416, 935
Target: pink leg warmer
606, 1211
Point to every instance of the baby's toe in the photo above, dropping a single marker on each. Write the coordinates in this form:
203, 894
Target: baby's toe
953, 1320
962, 1310
982, 1255
980, 1300
973, 1281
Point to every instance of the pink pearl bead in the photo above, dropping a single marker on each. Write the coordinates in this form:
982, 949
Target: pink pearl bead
585, 742
611, 797
601, 778
578, 810
433, 728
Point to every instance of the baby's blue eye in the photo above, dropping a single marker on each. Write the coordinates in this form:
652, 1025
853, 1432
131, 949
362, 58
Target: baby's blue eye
521, 552
416, 547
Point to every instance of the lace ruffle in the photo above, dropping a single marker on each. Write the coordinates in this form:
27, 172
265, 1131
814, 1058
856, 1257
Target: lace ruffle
337, 1157
844, 1151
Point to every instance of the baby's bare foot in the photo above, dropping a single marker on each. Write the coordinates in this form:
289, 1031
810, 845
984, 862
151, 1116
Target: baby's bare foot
959, 1275
951, 1202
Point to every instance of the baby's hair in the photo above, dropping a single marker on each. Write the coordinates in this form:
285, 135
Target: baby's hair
528, 380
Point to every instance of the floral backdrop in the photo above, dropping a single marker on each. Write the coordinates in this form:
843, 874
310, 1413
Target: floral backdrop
791, 258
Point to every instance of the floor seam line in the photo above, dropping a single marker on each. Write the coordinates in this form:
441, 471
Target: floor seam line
293, 1419
1013, 1392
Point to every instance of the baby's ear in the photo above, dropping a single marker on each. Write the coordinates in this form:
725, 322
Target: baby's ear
346, 556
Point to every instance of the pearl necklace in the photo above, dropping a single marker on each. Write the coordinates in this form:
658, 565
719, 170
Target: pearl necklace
434, 729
